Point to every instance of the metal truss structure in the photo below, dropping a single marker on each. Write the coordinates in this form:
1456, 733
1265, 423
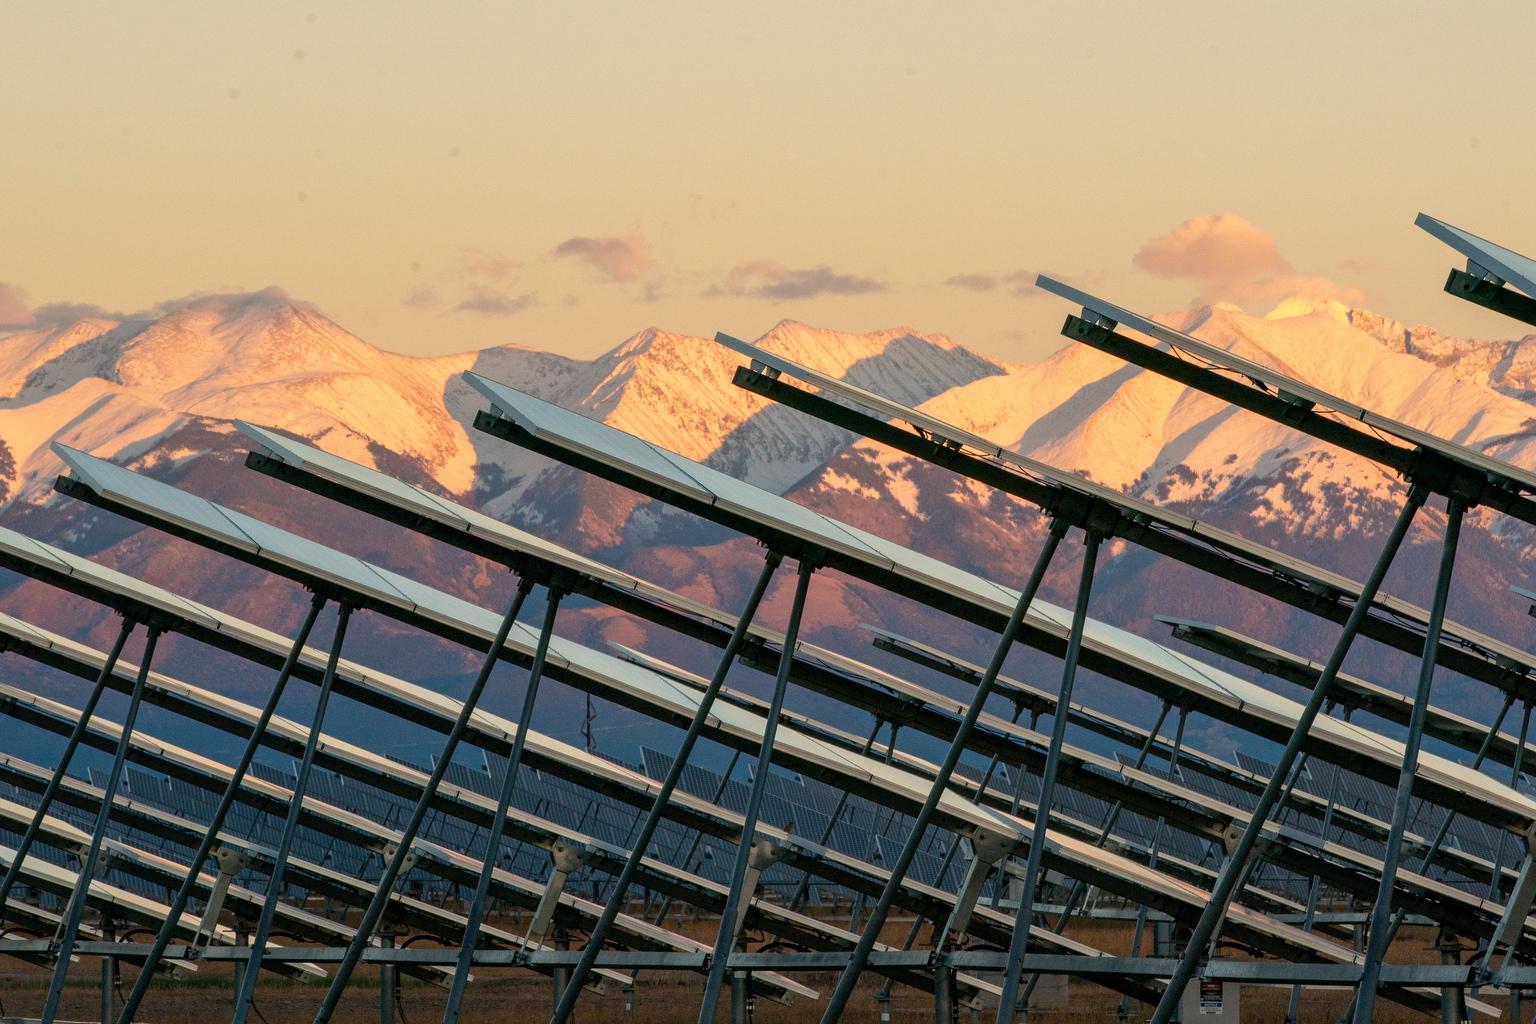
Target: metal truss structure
304, 850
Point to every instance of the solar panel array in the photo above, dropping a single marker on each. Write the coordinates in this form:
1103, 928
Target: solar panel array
802, 848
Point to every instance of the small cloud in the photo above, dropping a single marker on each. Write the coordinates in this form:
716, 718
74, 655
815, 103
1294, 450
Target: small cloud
55, 314
14, 311
488, 266
1213, 248
494, 302
423, 296
1234, 261
1018, 282
769, 279
227, 302
617, 259
973, 282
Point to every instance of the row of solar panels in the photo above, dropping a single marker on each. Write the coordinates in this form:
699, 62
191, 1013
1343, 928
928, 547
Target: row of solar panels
812, 748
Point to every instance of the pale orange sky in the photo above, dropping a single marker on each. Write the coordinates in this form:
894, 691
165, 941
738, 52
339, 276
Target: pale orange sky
562, 175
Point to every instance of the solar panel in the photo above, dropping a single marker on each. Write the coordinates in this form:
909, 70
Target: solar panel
1509, 265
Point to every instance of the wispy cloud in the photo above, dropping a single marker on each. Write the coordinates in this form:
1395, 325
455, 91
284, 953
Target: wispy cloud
973, 282
422, 296
495, 302
477, 264
614, 259
770, 279
56, 313
1018, 282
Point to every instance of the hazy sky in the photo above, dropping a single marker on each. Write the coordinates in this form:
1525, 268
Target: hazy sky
450, 176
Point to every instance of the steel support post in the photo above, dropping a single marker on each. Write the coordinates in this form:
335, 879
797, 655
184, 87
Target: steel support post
216, 822
560, 977
849, 979
943, 993
65, 941
1453, 1008
1234, 868
108, 968
291, 822
658, 809
402, 852
719, 962
76, 734
482, 898
1381, 912
1007, 1006
242, 938
387, 980
738, 997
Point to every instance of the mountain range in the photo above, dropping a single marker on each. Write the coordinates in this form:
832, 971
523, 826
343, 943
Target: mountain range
161, 396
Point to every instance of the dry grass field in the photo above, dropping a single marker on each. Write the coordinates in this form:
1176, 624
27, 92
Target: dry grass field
660, 998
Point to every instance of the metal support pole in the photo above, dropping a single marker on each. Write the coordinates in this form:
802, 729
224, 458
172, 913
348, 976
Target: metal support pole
482, 898
849, 979
70, 924
738, 997
1376, 946
291, 823
1452, 1008
560, 977
216, 822
1007, 1006
242, 938
108, 968
1235, 866
658, 809
386, 881
387, 980
726, 940
57, 778
943, 993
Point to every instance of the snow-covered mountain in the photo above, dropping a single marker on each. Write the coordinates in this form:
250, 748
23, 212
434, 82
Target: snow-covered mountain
124, 389
161, 395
